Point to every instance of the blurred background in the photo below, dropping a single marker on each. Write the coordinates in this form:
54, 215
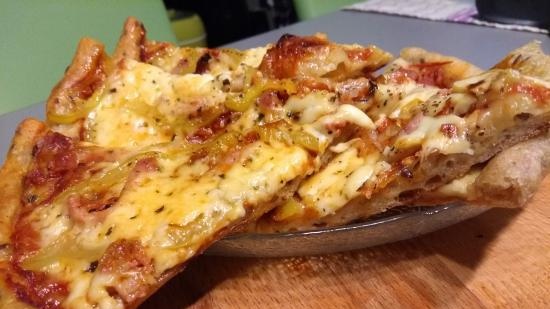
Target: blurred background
39, 37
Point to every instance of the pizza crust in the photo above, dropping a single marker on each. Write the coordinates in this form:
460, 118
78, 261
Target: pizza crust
12, 175
512, 177
14, 170
82, 78
529, 60
456, 69
130, 44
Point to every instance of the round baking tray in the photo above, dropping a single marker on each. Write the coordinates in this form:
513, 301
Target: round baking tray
394, 225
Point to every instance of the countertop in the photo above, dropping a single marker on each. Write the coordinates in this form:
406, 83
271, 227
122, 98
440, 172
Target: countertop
500, 259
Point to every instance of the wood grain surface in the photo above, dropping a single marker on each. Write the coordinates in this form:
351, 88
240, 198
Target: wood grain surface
500, 259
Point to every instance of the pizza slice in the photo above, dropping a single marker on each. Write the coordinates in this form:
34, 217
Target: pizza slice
140, 168
151, 92
509, 179
101, 227
151, 154
428, 135
512, 177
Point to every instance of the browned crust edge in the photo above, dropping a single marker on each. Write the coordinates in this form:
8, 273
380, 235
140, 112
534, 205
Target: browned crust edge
12, 173
508, 180
83, 76
14, 170
131, 41
457, 68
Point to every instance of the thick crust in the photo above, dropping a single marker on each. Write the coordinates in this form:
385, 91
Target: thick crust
11, 186
512, 177
508, 180
13, 171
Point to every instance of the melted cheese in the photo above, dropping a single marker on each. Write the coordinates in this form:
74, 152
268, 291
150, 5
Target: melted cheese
428, 134
460, 187
253, 57
345, 113
311, 106
142, 105
338, 183
398, 101
173, 212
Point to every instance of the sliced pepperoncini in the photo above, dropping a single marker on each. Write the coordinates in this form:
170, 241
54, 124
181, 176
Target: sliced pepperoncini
288, 210
63, 247
283, 132
241, 103
81, 111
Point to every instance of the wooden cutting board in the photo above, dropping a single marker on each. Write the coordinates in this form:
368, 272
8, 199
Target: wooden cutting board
500, 259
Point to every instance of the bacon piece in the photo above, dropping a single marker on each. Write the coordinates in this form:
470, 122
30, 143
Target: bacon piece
58, 163
25, 239
55, 154
90, 207
336, 127
144, 165
359, 54
227, 161
202, 63
402, 75
55, 160
202, 134
429, 73
181, 67
448, 108
270, 100
251, 137
449, 130
37, 288
539, 94
413, 123
281, 60
129, 263
306, 85
383, 125
360, 89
